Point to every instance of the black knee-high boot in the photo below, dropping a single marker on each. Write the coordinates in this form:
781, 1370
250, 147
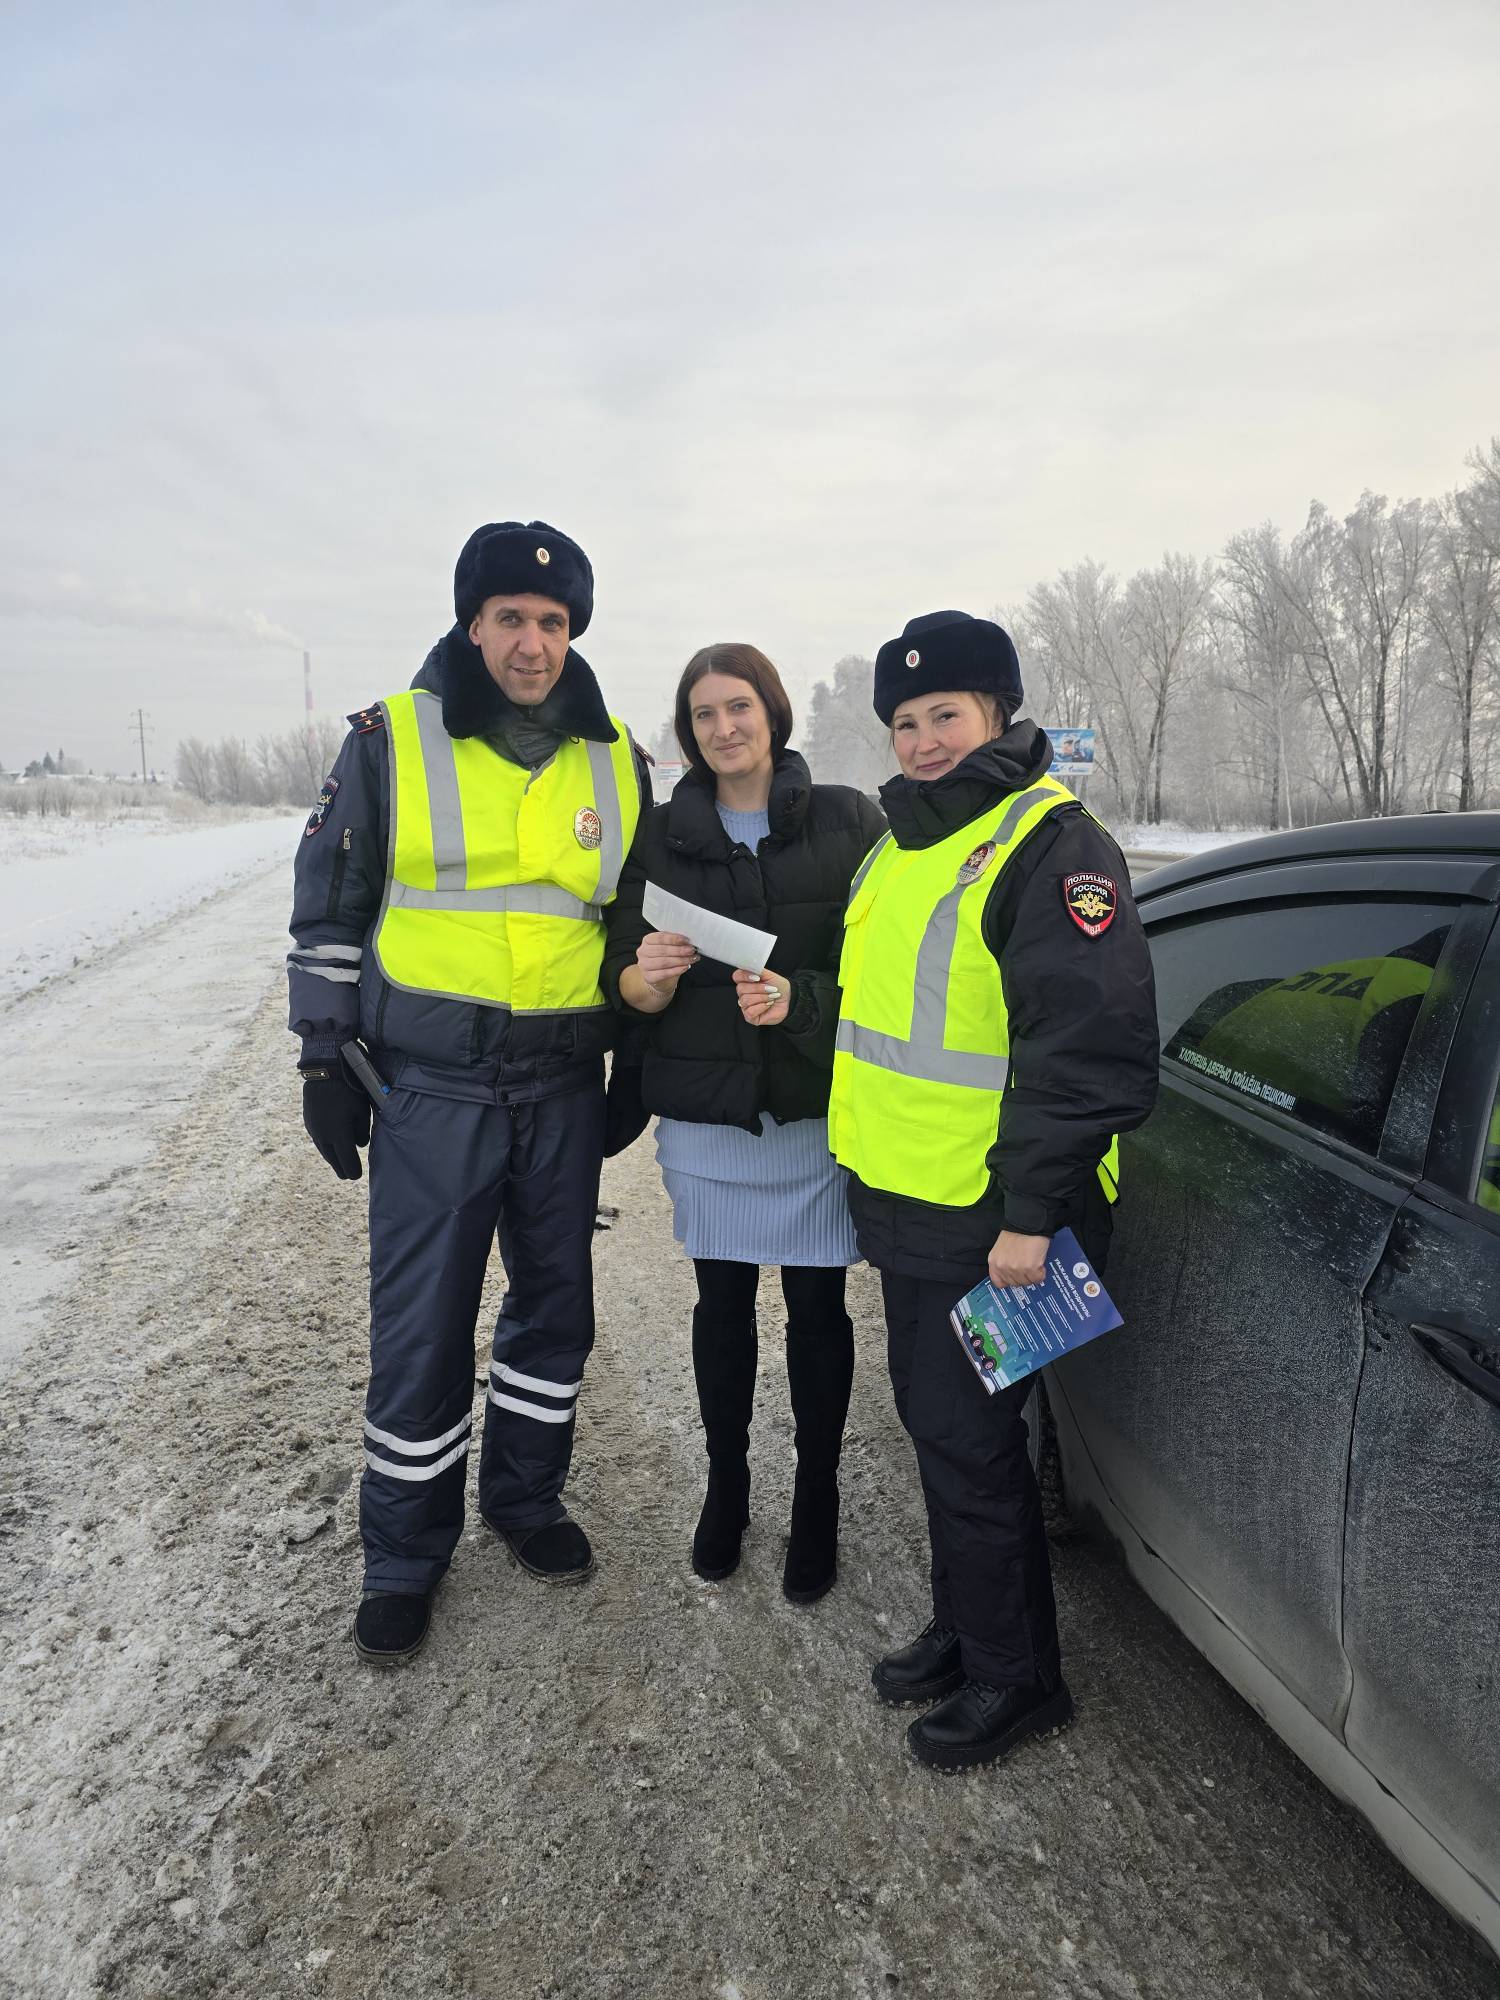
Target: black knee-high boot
820, 1371
724, 1355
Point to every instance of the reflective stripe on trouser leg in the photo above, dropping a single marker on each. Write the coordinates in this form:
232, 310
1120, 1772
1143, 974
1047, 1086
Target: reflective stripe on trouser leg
546, 1324
437, 1167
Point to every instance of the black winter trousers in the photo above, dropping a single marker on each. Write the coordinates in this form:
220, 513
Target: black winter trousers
991, 1574
819, 1358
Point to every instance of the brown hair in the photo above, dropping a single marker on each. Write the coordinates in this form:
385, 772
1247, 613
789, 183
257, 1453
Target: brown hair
741, 663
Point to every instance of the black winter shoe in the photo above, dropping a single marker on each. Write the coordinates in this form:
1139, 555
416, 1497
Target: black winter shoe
980, 1725
812, 1553
923, 1671
725, 1517
389, 1628
559, 1552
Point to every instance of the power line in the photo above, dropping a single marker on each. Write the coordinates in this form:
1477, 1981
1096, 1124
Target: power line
140, 724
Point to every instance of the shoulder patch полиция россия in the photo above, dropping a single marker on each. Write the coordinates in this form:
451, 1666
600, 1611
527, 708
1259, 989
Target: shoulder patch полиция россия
1091, 901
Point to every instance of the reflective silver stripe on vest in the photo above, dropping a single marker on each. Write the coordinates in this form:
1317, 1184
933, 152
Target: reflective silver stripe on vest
935, 953
441, 768
928, 1064
530, 899
864, 867
924, 1055
611, 823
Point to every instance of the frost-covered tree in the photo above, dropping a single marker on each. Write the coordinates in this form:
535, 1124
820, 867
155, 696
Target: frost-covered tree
1355, 588
844, 740
1165, 625
290, 768
1258, 664
1075, 629
234, 772
1462, 607
195, 768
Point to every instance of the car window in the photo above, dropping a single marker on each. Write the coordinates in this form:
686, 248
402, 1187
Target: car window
1488, 1192
1305, 1006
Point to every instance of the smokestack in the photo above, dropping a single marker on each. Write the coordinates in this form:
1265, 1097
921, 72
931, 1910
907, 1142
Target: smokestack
307, 702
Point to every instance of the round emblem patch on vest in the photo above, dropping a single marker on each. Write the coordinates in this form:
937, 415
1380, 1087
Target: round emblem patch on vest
543, 557
978, 861
914, 658
1091, 901
588, 828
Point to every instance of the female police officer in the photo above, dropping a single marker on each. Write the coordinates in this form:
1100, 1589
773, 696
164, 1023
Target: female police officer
997, 1029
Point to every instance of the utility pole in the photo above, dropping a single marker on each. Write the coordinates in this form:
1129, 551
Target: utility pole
140, 724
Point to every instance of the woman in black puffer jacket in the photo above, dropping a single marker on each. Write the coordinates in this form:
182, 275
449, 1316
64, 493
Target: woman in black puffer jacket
737, 1064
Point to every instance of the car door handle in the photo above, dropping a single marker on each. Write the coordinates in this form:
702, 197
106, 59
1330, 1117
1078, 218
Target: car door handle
1463, 1359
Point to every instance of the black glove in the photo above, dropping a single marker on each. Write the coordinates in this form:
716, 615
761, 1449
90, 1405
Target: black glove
337, 1116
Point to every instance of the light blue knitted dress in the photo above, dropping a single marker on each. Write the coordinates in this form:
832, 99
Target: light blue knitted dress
776, 1199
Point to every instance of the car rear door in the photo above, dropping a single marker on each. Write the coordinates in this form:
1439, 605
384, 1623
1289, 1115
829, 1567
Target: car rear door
1422, 1545
1256, 1209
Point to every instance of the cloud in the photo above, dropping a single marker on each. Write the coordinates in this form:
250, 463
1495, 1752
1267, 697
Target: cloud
68, 595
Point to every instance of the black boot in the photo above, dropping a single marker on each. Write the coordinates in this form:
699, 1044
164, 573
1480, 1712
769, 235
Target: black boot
558, 1552
925, 1670
812, 1565
724, 1353
980, 1724
389, 1627
819, 1373
725, 1517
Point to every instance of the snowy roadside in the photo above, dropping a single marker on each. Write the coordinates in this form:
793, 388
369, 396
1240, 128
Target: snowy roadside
1171, 837
71, 888
98, 1063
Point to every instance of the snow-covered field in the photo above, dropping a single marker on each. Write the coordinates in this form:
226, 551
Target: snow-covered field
72, 887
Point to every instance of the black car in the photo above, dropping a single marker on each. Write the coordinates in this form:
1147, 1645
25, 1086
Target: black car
1296, 1435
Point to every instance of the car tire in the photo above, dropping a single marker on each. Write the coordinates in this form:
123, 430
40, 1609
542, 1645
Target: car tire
1046, 1460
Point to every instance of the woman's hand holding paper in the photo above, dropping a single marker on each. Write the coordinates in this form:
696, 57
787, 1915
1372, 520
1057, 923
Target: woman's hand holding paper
663, 957
765, 1000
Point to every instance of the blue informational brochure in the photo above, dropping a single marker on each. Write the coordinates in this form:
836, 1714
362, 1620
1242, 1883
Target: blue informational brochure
1009, 1334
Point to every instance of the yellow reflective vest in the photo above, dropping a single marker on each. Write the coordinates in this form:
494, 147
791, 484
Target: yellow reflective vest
498, 876
923, 1047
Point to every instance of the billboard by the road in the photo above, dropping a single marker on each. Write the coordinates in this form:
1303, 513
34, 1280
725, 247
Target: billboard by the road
1072, 752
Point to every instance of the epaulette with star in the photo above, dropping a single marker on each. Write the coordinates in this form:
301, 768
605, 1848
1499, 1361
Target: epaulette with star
364, 720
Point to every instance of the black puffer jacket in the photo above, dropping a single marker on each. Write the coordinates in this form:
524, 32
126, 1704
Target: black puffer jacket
1083, 1046
702, 1061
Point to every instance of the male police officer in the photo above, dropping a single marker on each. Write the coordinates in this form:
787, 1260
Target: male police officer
449, 892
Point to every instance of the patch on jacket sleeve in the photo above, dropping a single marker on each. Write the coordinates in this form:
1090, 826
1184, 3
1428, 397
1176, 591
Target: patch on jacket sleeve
1091, 901
320, 811
364, 720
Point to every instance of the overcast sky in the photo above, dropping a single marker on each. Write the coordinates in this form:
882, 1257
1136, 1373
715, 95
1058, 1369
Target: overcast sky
802, 319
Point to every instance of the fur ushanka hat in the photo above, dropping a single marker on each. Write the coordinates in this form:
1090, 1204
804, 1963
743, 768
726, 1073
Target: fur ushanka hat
943, 650
520, 558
